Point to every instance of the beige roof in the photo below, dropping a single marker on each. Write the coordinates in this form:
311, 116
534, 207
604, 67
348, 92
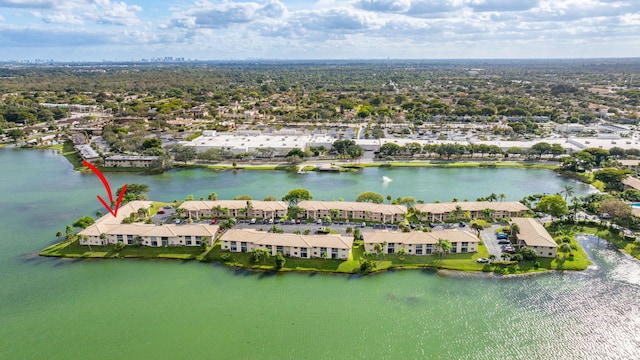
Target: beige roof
419, 237
139, 229
353, 206
628, 162
124, 211
267, 238
632, 182
234, 204
532, 233
447, 207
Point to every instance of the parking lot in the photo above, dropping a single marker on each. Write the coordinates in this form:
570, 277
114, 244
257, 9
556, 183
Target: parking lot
491, 242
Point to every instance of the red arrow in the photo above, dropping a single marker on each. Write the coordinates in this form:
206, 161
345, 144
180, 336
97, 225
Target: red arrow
106, 185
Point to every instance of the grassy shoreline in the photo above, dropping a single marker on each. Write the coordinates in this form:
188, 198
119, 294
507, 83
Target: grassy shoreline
463, 263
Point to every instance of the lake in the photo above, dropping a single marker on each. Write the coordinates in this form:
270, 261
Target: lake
105, 309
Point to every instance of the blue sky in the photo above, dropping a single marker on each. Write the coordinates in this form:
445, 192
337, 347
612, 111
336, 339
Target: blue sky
65, 30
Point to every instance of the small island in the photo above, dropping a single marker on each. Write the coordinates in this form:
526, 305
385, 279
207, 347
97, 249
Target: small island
300, 234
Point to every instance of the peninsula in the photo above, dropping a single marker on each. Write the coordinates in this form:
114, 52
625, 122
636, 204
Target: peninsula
328, 236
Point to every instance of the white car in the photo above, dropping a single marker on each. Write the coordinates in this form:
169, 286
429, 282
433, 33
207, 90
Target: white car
482, 260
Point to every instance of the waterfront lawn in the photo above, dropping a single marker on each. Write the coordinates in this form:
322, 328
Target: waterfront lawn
613, 236
243, 260
75, 250
68, 151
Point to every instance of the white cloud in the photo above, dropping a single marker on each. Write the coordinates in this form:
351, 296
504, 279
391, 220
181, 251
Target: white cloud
205, 14
79, 11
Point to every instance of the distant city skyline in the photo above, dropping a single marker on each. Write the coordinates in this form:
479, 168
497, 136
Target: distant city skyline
130, 30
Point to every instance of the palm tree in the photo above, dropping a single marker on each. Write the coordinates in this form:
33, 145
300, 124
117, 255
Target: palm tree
444, 246
515, 230
492, 257
98, 214
103, 236
568, 191
565, 248
488, 213
213, 196
68, 231
401, 253
379, 248
248, 208
503, 197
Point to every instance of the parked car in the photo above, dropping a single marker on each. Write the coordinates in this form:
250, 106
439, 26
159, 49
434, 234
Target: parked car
177, 221
502, 242
364, 224
502, 236
298, 221
482, 260
510, 250
461, 224
161, 212
253, 221
214, 221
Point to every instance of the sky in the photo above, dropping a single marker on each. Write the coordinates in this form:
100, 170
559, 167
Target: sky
129, 30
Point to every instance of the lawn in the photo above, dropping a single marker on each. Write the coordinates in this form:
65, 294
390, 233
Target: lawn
611, 235
75, 250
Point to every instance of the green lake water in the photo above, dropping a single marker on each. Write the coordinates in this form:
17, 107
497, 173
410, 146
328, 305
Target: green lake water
114, 309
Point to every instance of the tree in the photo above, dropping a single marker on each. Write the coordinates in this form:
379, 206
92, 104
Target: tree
379, 248
553, 205
565, 248
16, 134
59, 234
568, 191
612, 178
478, 225
341, 146
280, 261
615, 208
151, 143
401, 254
355, 151
213, 196
68, 231
243, 197
269, 198
296, 152
228, 224
185, 154
540, 149
370, 196
389, 149
528, 253
296, 195
83, 222
444, 246
134, 192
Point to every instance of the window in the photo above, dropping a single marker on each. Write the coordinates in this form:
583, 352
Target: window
243, 246
188, 238
391, 248
429, 249
334, 253
234, 246
303, 252
419, 249
279, 249
119, 237
464, 248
